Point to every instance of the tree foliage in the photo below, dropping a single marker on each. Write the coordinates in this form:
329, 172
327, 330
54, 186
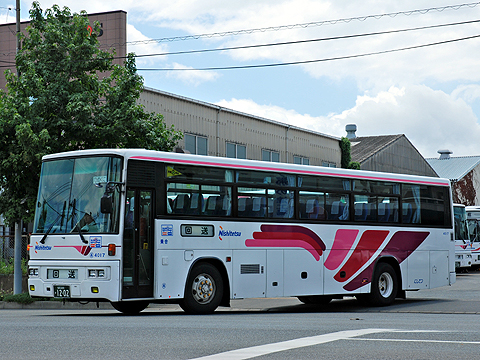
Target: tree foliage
346, 159
68, 96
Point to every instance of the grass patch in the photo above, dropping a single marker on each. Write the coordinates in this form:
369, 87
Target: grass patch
6, 266
23, 298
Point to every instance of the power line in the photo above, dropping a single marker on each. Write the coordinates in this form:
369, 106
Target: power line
305, 25
303, 41
299, 42
312, 61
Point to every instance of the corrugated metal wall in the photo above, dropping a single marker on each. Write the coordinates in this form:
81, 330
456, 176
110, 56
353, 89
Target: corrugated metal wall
400, 157
222, 125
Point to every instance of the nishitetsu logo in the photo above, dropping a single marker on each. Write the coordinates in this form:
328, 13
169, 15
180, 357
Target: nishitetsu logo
223, 232
41, 247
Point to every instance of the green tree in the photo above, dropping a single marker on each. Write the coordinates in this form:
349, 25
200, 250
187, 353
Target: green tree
68, 96
346, 159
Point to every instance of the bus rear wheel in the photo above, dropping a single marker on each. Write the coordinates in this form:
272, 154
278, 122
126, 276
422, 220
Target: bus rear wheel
130, 307
203, 290
384, 286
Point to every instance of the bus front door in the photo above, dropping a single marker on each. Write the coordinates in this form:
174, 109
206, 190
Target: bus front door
138, 245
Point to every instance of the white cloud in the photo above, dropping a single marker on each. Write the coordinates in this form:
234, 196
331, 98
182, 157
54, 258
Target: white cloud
449, 62
192, 77
430, 119
469, 93
143, 47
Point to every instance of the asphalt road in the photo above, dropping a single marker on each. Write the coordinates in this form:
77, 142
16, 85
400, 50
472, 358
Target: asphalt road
440, 323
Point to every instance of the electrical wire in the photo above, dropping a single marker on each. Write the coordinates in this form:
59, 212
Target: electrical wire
305, 25
311, 61
301, 41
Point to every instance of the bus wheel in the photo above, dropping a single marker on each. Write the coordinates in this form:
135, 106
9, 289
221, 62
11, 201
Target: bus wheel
384, 286
315, 299
203, 290
130, 307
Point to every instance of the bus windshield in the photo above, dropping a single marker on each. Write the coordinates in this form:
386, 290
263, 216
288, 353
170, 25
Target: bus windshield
70, 193
461, 226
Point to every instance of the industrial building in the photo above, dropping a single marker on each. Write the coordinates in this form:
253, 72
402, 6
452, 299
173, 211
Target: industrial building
217, 131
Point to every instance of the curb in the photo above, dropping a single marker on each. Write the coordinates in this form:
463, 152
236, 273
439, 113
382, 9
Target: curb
56, 305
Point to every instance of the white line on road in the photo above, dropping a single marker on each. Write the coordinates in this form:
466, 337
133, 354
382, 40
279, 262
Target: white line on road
254, 351
426, 341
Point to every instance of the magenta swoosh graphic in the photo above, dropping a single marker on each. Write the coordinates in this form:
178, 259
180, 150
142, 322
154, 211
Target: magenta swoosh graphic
287, 236
400, 246
344, 239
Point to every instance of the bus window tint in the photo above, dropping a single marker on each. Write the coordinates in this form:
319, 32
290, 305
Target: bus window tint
388, 209
181, 198
312, 205
265, 178
280, 203
365, 208
218, 200
176, 172
251, 202
426, 205
324, 183
337, 206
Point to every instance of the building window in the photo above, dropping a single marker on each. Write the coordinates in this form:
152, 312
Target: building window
236, 151
268, 155
329, 164
301, 160
196, 144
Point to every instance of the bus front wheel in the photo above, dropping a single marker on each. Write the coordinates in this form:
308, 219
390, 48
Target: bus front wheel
203, 290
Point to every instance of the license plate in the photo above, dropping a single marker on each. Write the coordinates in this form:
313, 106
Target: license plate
61, 291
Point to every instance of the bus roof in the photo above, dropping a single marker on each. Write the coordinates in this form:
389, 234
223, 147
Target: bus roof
200, 160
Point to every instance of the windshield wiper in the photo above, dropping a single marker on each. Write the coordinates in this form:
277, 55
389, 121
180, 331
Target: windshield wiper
60, 216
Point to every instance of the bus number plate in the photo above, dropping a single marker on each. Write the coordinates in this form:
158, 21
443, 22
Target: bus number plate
61, 291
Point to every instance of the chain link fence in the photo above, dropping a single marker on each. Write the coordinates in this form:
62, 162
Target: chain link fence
7, 243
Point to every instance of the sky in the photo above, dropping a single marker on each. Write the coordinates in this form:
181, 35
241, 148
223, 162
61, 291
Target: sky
390, 67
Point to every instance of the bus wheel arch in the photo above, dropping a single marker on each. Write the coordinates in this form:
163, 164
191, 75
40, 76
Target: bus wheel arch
206, 287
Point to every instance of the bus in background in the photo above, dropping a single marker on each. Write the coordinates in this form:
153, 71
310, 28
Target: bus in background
134, 227
463, 247
473, 221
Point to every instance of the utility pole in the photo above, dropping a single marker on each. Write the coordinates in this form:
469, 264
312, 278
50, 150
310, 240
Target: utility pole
17, 262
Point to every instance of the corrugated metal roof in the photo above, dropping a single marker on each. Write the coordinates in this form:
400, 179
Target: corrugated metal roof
364, 147
454, 168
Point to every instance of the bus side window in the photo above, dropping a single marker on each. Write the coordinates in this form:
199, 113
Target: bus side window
181, 204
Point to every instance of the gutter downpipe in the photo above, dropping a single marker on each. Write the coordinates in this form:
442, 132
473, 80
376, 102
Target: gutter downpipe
286, 143
217, 150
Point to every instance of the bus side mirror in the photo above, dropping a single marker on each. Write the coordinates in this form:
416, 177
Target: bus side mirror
106, 204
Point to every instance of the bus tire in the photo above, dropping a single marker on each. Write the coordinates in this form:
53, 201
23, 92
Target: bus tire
384, 286
203, 290
130, 307
315, 299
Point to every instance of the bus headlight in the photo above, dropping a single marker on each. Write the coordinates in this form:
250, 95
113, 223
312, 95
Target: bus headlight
32, 271
97, 273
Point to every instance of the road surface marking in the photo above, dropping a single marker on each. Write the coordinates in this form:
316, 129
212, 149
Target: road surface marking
254, 351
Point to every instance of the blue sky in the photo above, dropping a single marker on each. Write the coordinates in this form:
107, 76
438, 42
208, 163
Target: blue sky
431, 94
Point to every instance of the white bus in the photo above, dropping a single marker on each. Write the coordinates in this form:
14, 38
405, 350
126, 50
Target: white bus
473, 220
463, 246
135, 227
